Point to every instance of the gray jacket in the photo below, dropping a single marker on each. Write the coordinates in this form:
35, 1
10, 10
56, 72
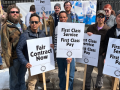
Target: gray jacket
111, 21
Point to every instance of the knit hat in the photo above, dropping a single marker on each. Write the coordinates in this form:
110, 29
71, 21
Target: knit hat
57, 4
118, 12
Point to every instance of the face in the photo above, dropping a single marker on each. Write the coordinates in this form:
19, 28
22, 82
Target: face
118, 19
57, 9
14, 15
67, 7
108, 11
63, 17
100, 19
34, 23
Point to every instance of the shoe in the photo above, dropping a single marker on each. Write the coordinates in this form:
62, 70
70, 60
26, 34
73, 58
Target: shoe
97, 88
75, 69
47, 80
1, 67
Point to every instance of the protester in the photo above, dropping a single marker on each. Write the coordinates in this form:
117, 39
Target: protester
62, 63
114, 32
99, 28
10, 34
110, 15
72, 17
27, 17
53, 18
32, 32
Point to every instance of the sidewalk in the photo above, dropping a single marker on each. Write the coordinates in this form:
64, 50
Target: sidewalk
78, 80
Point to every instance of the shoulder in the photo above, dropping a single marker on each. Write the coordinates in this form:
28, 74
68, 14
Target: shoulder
112, 17
106, 27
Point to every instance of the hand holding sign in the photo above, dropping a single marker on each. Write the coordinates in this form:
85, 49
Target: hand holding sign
89, 33
28, 65
69, 60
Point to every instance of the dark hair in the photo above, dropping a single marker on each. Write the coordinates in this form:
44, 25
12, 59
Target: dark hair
32, 8
68, 2
62, 12
10, 7
34, 14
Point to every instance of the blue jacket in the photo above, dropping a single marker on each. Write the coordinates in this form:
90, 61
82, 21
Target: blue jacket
21, 49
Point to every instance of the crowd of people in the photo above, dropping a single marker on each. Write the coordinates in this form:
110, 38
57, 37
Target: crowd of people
14, 34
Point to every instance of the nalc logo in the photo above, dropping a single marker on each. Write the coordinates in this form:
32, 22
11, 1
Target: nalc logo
43, 68
86, 60
117, 73
69, 53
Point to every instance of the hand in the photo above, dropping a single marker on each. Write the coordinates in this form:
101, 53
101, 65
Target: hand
28, 65
89, 33
104, 60
69, 60
44, 15
52, 46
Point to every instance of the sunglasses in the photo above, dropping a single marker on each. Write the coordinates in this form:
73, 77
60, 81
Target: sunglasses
14, 12
100, 16
106, 10
32, 22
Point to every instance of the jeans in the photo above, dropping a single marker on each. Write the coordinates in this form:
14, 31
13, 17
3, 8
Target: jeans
62, 66
17, 76
99, 81
1, 60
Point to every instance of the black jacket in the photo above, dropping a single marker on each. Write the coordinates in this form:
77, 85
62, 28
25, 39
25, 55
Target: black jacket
111, 33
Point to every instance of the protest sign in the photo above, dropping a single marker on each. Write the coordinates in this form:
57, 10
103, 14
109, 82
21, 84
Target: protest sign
112, 61
40, 55
90, 50
70, 40
42, 5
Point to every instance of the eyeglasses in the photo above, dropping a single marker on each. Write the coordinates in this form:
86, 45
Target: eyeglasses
32, 22
106, 10
67, 5
14, 12
100, 16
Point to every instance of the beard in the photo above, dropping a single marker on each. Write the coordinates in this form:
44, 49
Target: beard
13, 20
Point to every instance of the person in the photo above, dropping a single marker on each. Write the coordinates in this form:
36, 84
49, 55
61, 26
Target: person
27, 17
113, 33
99, 28
62, 63
53, 18
32, 32
2, 19
72, 17
10, 34
110, 15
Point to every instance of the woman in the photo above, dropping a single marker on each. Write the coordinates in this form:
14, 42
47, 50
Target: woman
110, 15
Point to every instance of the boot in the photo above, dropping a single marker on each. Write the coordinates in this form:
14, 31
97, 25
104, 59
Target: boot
1, 67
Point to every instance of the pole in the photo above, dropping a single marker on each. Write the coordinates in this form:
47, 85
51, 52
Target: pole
68, 72
45, 25
84, 79
44, 81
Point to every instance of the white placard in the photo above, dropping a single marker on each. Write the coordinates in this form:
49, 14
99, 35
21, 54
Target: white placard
70, 40
42, 2
112, 61
90, 50
40, 55
42, 5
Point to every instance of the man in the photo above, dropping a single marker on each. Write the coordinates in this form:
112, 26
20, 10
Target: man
11, 32
99, 28
53, 18
114, 32
62, 63
72, 17
32, 32
27, 17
